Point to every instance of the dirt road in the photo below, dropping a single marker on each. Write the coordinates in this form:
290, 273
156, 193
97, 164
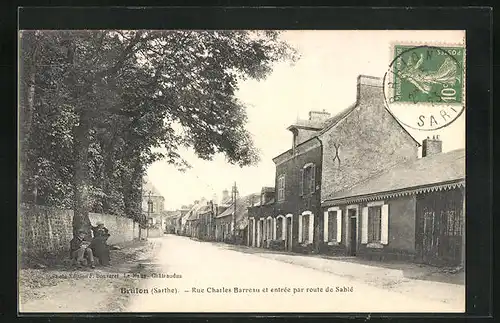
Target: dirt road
64, 289
207, 277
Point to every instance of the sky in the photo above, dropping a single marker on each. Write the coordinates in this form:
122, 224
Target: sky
323, 79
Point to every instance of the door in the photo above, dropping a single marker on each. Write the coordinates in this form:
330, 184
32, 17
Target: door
289, 233
353, 235
439, 233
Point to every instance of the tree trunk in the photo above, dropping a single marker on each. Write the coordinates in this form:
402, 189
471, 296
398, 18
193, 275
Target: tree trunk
132, 190
81, 177
81, 137
27, 98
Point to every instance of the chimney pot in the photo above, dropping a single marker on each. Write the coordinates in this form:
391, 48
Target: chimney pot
369, 88
318, 115
431, 146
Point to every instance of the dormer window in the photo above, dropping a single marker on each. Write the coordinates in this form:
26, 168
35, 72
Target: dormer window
307, 179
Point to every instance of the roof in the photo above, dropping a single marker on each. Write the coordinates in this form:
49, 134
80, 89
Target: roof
430, 170
268, 189
172, 214
194, 211
226, 201
242, 205
147, 186
308, 124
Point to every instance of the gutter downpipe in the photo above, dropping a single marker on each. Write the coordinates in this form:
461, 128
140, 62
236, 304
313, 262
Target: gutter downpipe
317, 216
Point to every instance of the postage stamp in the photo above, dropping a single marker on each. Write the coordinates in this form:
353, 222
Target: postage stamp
425, 85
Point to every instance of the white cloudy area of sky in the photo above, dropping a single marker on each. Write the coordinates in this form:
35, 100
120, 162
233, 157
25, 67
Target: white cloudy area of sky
324, 78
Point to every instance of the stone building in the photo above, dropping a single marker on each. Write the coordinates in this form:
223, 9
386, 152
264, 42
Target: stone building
330, 154
153, 204
365, 140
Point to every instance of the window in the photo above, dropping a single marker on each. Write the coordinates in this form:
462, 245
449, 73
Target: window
332, 226
307, 179
281, 188
374, 223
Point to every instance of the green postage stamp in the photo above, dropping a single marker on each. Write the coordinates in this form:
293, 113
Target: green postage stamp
427, 74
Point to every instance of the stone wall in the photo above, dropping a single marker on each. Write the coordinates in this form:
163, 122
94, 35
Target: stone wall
45, 229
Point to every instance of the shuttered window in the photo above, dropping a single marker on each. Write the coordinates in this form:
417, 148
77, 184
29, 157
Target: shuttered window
307, 179
281, 188
374, 223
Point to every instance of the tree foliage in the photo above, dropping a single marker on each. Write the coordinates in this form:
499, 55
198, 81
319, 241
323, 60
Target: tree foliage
95, 105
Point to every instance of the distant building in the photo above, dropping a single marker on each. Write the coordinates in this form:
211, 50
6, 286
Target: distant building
152, 208
262, 230
225, 229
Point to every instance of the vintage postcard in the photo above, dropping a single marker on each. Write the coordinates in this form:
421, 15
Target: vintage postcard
253, 171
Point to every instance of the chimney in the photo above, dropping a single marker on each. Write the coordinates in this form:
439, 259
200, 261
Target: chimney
225, 195
432, 146
370, 89
318, 115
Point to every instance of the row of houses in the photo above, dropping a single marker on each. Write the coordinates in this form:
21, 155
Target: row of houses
351, 184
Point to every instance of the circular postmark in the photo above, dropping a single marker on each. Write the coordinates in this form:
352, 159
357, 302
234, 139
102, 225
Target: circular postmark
424, 86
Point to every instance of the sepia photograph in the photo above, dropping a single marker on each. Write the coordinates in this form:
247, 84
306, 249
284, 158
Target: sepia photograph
244, 171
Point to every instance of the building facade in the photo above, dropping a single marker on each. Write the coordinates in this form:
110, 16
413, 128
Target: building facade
298, 178
360, 142
261, 221
153, 204
328, 155
413, 211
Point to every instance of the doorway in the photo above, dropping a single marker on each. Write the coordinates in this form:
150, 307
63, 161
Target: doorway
261, 233
440, 228
353, 230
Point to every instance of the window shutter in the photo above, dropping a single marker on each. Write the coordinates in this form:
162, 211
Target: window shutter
274, 228
384, 235
325, 226
300, 228
311, 228
339, 226
313, 178
283, 228
364, 226
301, 182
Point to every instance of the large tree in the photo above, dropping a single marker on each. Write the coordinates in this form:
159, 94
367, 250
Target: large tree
104, 100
